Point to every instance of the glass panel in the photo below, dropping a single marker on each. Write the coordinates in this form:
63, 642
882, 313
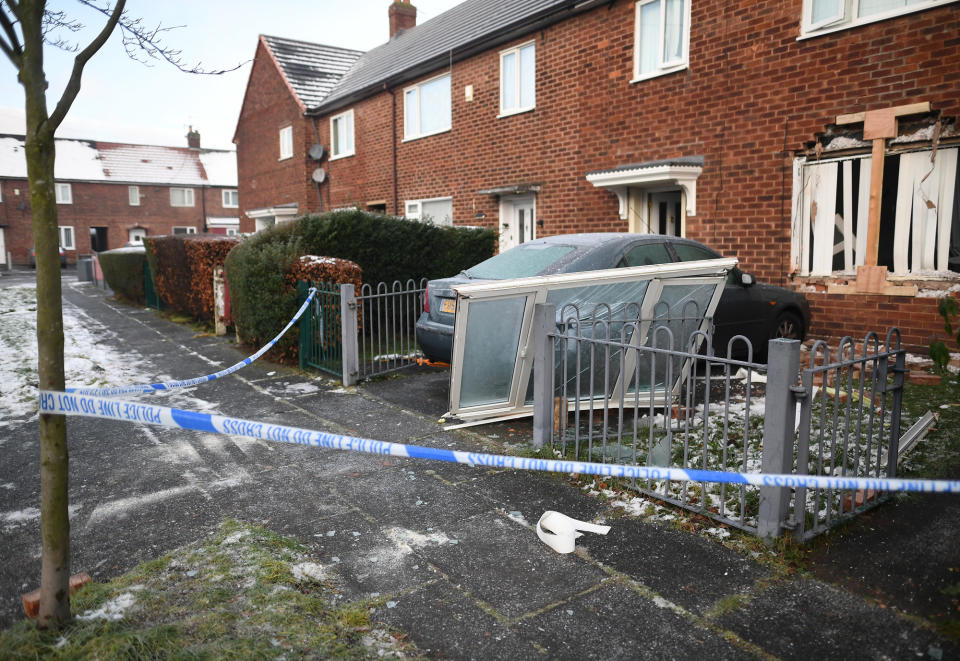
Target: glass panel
871, 7
508, 87
490, 350
825, 10
410, 120
335, 135
520, 262
673, 32
438, 212
649, 37
646, 254
528, 83
435, 106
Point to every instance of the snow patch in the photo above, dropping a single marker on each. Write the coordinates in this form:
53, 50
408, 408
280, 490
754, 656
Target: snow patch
113, 610
307, 571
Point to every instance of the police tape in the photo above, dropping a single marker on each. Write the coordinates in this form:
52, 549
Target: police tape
113, 409
170, 385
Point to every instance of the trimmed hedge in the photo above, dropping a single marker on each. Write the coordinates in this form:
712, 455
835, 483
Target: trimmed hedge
123, 271
183, 266
263, 297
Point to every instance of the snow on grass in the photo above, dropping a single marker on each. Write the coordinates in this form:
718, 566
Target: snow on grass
113, 610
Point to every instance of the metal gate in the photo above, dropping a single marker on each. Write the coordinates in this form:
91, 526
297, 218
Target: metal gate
321, 341
149, 290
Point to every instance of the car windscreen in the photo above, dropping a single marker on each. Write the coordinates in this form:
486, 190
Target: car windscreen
523, 261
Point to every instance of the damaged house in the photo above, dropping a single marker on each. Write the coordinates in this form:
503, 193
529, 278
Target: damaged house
815, 140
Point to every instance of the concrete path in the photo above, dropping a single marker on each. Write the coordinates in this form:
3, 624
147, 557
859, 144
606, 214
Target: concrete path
462, 572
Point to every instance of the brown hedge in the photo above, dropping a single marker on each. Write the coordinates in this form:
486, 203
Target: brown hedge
182, 267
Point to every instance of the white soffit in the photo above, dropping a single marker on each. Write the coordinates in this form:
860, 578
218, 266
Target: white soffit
619, 180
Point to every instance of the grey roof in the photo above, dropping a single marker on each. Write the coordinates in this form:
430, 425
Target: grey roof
458, 32
311, 69
694, 161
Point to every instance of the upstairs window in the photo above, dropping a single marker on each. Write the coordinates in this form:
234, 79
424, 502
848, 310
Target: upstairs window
341, 135
661, 37
133, 195
181, 197
822, 16
64, 194
230, 198
286, 142
427, 108
517, 80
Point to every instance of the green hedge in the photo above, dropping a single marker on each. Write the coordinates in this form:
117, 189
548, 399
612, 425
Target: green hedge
386, 248
123, 271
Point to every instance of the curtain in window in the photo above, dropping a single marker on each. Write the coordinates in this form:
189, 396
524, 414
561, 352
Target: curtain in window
435, 106
649, 37
509, 81
527, 77
673, 31
411, 114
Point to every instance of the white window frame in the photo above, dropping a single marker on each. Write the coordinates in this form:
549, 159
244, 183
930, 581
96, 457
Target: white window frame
136, 235
64, 193
344, 119
518, 83
847, 15
413, 209
228, 193
189, 199
1, 191
665, 66
190, 229
416, 89
63, 235
133, 196
286, 143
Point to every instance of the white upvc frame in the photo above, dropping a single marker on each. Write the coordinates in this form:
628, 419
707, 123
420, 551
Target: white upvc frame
189, 199
535, 290
133, 196
286, 143
63, 193
65, 232
665, 66
230, 198
188, 229
415, 89
337, 150
413, 209
136, 235
847, 15
518, 82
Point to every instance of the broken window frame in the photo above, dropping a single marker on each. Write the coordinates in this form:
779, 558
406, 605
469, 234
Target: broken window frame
535, 290
915, 253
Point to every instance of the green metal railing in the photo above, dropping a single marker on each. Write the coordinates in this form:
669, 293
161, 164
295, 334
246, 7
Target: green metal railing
149, 290
321, 340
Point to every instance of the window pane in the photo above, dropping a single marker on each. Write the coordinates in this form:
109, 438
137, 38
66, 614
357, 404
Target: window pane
348, 133
509, 82
490, 350
871, 7
825, 10
438, 212
410, 121
520, 262
673, 31
649, 37
335, 137
528, 81
435, 106
133, 193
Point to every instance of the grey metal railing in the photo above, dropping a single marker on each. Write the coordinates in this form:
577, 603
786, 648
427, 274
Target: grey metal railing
601, 395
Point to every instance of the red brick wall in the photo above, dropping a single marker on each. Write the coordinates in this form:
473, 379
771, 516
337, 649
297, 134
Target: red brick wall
106, 205
265, 181
752, 96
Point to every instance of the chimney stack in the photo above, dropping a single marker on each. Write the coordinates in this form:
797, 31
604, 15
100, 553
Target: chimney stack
403, 16
193, 139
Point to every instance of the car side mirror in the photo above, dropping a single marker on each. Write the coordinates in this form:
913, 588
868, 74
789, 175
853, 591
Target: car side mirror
746, 279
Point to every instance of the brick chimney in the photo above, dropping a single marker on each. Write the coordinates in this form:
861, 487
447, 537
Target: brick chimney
193, 139
403, 16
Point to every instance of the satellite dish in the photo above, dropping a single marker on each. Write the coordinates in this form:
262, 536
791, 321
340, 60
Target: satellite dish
319, 175
317, 152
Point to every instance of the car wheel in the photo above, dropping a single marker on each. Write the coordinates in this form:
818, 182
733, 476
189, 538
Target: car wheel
789, 327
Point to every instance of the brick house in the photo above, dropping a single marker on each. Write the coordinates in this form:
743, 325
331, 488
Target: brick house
110, 194
752, 127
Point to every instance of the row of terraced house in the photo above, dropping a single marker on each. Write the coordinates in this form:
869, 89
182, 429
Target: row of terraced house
815, 140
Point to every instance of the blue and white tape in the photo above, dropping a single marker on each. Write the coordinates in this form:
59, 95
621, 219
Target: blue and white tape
113, 409
170, 385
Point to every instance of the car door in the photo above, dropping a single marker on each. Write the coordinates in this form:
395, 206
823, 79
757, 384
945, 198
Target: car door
741, 309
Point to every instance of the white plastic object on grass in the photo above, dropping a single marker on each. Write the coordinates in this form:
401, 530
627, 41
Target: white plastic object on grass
559, 531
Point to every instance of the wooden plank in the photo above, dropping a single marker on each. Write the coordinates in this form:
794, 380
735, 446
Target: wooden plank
824, 221
876, 192
852, 118
848, 237
948, 178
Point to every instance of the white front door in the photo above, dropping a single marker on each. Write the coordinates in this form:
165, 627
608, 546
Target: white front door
517, 221
655, 212
135, 236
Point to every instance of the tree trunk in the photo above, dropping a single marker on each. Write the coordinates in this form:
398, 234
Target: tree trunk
39, 143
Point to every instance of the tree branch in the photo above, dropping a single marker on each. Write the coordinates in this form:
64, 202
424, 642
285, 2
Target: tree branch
13, 50
73, 84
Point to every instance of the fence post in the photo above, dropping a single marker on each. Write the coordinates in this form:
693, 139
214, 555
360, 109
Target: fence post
896, 388
348, 329
544, 323
778, 433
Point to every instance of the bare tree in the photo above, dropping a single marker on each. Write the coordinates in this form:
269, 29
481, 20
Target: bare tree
26, 26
